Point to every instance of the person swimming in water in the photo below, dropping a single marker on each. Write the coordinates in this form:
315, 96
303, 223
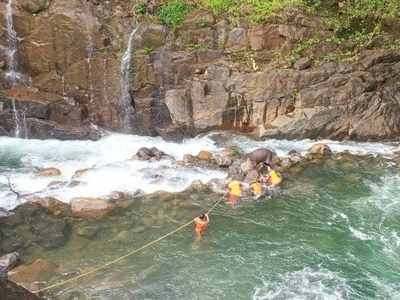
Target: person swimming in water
201, 223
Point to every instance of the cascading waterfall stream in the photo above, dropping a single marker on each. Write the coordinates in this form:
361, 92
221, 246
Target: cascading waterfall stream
90, 50
126, 108
12, 76
11, 50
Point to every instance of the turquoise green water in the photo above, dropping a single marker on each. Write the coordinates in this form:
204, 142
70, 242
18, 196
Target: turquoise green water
333, 232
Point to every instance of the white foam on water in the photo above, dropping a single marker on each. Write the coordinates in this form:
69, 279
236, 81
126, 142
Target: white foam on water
360, 235
108, 158
282, 147
305, 284
385, 196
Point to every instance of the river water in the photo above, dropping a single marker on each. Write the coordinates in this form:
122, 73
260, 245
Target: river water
332, 232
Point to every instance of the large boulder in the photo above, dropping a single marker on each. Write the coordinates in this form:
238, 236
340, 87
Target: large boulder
91, 208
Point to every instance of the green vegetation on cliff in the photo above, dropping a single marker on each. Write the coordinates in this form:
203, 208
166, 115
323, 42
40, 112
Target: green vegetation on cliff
346, 26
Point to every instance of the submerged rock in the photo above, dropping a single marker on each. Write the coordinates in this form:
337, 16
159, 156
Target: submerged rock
91, 208
32, 224
28, 275
11, 291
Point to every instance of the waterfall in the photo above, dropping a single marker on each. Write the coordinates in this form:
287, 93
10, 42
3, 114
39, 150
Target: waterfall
89, 48
11, 50
21, 130
105, 95
12, 76
126, 108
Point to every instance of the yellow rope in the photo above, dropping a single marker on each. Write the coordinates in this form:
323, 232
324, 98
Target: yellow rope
124, 256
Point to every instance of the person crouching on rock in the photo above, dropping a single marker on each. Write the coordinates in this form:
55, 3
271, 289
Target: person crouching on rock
201, 224
234, 192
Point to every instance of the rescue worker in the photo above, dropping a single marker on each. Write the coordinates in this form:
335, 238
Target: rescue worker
273, 178
257, 189
235, 192
201, 224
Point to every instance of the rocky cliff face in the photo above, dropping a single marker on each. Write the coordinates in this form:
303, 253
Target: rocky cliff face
97, 63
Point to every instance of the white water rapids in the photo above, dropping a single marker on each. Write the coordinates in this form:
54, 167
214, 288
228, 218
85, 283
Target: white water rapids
113, 170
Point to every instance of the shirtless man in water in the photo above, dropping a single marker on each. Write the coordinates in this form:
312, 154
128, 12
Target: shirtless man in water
201, 224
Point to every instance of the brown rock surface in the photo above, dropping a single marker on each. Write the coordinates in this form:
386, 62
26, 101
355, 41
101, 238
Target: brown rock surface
49, 172
28, 275
91, 208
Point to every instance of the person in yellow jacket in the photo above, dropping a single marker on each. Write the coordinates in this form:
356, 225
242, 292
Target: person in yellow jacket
273, 178
257, 189
235, 192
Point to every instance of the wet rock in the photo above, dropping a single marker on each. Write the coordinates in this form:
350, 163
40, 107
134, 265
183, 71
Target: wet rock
223, 160
7, 262
91, 208
205, 155
320, 149
38, 271
189, 159
197, 186
151, 154
49, 172
11, 291
56, 184
74, 183
120, 199
80, 173
55, 206
236, 172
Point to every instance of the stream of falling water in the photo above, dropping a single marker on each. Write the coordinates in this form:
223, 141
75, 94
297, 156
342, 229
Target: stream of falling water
126, 108
89, 48
12, 76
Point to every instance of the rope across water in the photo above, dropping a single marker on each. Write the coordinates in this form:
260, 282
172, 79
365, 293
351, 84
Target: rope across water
102, 267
